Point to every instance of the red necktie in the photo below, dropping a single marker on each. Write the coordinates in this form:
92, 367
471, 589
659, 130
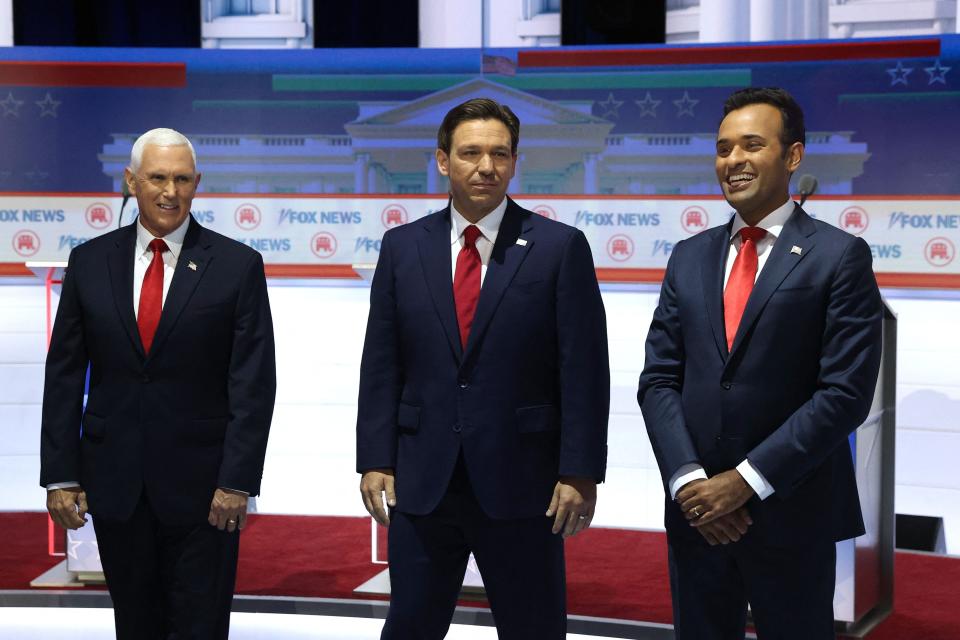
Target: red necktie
151, 295
466, 282
741, 280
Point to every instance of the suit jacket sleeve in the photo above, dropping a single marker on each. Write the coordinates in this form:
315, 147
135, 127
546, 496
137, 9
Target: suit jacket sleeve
849, 365
252, 384
381, 378
584, 364
661, 382
64, 379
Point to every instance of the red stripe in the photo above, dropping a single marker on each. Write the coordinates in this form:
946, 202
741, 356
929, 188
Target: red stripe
29, 73
737, 54
310, 271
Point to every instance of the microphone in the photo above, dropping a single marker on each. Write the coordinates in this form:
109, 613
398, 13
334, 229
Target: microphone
807, 186
125, 192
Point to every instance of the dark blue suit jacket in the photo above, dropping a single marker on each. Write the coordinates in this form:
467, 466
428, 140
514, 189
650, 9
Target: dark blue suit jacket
799, 378
191, 416
528, 399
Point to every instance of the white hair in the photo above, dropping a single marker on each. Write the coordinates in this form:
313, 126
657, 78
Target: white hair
160, 138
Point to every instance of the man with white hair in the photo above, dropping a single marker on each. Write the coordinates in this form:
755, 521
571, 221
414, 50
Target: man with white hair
168, 325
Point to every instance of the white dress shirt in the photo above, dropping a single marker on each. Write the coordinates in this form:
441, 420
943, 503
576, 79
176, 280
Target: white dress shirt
489, 226
773, 224
142, 256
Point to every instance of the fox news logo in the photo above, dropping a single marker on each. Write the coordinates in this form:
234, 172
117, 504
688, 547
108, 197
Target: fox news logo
291, 216
363, 244
247, 216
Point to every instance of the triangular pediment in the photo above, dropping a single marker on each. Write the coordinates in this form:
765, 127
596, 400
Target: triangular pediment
429, 110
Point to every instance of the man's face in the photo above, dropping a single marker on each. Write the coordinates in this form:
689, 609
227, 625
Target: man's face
164, 186
753, 170
480, 166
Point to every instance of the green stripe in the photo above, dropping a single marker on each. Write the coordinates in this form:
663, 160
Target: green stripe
420, 82
273, 104
528, 82
899, 97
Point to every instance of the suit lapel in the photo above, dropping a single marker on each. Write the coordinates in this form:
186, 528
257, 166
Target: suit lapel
712, 271
120, 265
504, 261
435, 257
783, 259
191, 265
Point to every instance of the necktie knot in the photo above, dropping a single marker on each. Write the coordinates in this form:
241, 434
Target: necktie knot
158, 246
752, 233
470, 235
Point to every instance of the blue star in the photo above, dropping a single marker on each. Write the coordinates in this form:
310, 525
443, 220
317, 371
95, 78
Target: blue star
610, 107
937, 73
648, 106
48, 106
685, 105
11, 106
899, 73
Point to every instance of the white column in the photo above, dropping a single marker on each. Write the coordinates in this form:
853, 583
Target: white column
724, 20
451, 23
769, 20
433, 175
372, 174
6, 23
360, 162
590, 181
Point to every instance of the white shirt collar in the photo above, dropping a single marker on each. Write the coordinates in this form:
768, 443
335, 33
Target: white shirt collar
772, 223
174, 239
489, 224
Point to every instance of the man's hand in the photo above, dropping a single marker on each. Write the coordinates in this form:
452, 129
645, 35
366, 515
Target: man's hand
574, 501
728, 528
228, 510
373, 484
68, 507
703, 501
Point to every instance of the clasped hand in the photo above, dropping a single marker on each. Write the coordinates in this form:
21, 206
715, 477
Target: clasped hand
715, 506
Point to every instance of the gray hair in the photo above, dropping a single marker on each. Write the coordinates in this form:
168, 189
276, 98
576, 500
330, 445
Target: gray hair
160, 138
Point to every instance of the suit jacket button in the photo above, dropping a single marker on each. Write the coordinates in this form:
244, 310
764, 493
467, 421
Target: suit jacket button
726, 386
457, 428
463, 384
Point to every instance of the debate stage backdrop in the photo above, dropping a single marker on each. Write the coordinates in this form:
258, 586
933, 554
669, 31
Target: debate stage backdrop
309, 156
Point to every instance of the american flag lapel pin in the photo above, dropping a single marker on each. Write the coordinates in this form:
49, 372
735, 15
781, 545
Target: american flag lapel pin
192, 265
521, 242
797, 250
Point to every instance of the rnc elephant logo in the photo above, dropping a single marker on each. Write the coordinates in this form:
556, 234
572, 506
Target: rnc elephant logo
26, 243
99, 215
323, 245
854, 220
694, 219
620, 247
393, 215
939, 252
247, 216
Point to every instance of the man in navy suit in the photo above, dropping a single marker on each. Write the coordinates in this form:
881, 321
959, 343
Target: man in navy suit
173, 323
761, 359
484, 394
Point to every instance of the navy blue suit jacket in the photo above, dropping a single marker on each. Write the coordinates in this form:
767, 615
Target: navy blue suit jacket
191, 416
528, 399
799, 378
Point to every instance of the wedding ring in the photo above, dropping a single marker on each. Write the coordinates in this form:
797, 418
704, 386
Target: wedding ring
696, 512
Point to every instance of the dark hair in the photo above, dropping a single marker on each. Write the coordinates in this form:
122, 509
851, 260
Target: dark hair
478, 109
791, 115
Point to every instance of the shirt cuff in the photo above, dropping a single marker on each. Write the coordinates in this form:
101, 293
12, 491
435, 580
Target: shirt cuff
755, 479
237, 491
62, 485
686, 473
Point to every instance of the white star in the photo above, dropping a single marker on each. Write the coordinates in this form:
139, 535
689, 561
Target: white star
648, 106
610, 107
74, 545
11, 106
48, 106
937, 73
899, 73
685, 105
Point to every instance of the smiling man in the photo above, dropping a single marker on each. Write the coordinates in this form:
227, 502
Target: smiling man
170, 322
484, 392
762, 357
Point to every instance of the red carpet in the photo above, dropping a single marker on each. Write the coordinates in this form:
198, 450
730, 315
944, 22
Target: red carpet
611, 573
